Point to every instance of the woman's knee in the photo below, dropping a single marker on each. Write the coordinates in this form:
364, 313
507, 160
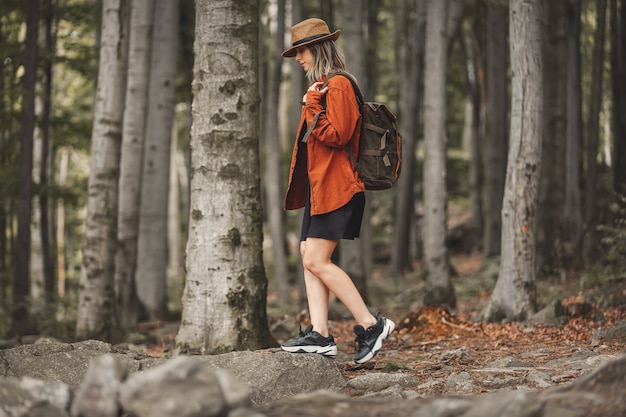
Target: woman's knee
309, 261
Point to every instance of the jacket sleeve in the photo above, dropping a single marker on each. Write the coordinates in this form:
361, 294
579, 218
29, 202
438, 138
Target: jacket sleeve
337, 125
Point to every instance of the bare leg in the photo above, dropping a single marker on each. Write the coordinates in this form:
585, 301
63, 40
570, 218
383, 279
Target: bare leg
321, 275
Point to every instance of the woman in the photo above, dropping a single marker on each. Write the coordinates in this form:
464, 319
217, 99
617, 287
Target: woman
324, 182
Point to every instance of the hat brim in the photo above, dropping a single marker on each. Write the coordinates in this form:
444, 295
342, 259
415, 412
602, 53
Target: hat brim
291, 52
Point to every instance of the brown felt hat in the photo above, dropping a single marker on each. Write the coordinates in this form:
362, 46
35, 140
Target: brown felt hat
307, 32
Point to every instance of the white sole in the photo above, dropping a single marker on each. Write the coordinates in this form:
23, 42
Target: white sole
389, 326
330, 350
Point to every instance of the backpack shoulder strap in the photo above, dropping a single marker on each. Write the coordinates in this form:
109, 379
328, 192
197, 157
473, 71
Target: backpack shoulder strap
355, 85
357, 92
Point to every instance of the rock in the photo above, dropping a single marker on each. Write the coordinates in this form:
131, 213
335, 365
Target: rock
552, 314
32, 397
280, 374
273, 384
64, 362
509, 362
97, 395
381, 381
617, 331
183, 387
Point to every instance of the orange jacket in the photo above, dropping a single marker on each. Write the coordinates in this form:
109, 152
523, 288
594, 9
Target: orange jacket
332, 177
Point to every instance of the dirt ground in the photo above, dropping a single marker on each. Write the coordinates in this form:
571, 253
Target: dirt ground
423, 334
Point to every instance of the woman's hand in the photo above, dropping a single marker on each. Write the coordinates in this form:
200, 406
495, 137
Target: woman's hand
316, 86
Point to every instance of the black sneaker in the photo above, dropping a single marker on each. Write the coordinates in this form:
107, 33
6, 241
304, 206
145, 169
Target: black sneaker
371, 340
311, 342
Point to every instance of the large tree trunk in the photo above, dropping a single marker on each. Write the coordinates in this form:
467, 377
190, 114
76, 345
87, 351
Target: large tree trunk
411, 98
573, 218
273, 157
436, 266
152, 240
595, 103
21, 281
224, 301
133, 134
495, 144
552, 188
514, 296
95, 295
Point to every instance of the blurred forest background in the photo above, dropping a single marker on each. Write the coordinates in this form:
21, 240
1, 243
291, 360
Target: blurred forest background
53, 56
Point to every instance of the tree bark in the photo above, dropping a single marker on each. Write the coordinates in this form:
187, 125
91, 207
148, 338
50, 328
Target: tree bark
573, 219
595, 103
152, 240
21, 282
224, 300
273, 156
411, 98
552, 189
514, 296
353, 254
495, 145
436, 266
133, 138
95, 318
618, 78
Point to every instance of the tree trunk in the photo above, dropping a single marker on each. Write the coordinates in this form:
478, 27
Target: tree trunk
224, 300
572, 218
95, 295
411, 97
273, 166
473, 130
618, 78
353, 257
21, 282
552, 188
495, 144
133, 137
436, 266
152, 239
60, 223
595, 103
514, 296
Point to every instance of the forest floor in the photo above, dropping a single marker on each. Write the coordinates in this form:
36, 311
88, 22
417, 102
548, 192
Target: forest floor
422, 334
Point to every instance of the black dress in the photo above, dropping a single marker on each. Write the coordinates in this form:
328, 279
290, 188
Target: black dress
342, 223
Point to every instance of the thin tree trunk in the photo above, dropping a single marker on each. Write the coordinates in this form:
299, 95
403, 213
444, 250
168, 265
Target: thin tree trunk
175, 271
411, 96
353, 253
495, 144
573, 219
152, 240
595, 103
618, 78
21, 282
473, 131
133, 137
60, 226
552, 189
514, 296
436, 266
273, 155
95, 316
47, 157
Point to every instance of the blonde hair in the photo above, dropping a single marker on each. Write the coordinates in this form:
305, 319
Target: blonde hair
327, 57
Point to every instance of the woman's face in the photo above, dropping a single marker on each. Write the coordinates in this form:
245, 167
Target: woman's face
304, 57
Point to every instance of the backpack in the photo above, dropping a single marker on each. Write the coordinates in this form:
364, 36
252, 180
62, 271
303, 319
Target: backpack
380, 146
